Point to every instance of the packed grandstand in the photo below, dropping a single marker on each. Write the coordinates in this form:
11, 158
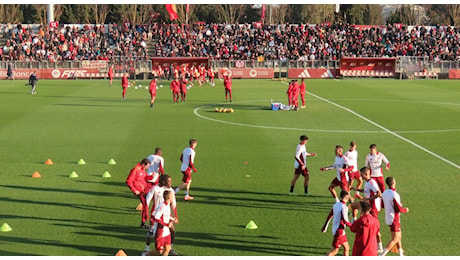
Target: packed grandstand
300, 42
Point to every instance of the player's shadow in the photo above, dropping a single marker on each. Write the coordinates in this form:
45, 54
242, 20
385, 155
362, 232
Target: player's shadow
210, 108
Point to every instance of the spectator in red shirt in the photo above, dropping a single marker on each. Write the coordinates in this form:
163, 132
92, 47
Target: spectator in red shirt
366, 228
138, 184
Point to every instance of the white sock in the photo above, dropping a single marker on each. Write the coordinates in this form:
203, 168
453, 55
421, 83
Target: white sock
147, 248
176, 190
357, 192
380, 246
186, 193
401, 252
336, 199
384, 253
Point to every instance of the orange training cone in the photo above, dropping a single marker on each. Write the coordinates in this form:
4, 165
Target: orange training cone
394, 249
36, 175
49, 162
139, 207
121, 253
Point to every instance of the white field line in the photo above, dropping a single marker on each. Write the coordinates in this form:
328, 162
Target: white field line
386, 130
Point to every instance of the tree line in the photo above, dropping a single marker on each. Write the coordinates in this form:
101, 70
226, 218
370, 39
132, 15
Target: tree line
370, 14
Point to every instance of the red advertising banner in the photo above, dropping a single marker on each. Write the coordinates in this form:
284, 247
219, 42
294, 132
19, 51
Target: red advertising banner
369, 67
313, 73
257, 73
55, 73
454, 74
166, 62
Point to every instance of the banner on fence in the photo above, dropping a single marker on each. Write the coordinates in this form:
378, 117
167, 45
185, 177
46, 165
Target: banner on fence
256, 73
313, 73
454, 74
166, 62
381, 67
55, 73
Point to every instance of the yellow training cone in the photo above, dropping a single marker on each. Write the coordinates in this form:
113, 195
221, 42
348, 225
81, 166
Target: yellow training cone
5, 227
139, 207
251, 225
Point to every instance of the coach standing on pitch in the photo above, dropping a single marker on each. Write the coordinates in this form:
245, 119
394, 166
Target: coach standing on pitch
33, 82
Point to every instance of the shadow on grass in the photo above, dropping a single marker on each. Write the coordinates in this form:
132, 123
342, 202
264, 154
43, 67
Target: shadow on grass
265, 245
210, 108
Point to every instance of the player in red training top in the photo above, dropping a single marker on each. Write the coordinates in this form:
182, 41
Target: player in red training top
393, 206
303, 90
366, 228
183, 88
138, 184
289, 93
228, 87
124, 84
153, 91
339, 214
110, 75
295, 95
175, 89
340, 165
374, 161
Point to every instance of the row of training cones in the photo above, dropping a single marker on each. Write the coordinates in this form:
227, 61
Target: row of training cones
81, 161
73, 174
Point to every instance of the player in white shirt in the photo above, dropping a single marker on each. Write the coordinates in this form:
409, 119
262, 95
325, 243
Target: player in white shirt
373, 195
340, 165
374, 161
393, 206
352, 157
163, 185
156, 168
300, 165
188, 159
339, 214
163, 222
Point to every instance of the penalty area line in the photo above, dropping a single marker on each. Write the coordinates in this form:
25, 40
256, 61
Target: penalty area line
385, 129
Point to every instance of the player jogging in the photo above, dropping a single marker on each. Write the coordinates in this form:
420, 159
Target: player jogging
188, 159
374, 161
300, 165
153, 91
352, 157
340, 165
393, 206
110, 75
339, 214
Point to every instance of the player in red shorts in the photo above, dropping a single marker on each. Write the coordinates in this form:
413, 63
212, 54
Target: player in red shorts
352, 157
124, 85
339, 214
138, 184
340, 165
295, 94
183, 88
303, 90
289, 93
300, 165
110, 75
367, 228
211, 77
187, 159
153, 91
374, 161
175, 90
393, 206
228, 87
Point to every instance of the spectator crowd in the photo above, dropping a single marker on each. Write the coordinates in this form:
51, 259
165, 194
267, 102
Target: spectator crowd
301, 42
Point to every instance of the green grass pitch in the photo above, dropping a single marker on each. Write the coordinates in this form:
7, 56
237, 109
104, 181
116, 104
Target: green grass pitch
416, 124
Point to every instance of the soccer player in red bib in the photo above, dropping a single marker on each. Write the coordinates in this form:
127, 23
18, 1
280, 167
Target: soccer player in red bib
300, 165
153, 91
138, 184
175, 89
374, 161
110, 75
183, 88
339, 214
228, 87
393, 206
124, 85
303, 90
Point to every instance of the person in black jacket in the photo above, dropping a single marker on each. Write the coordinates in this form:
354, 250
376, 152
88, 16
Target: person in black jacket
33, 82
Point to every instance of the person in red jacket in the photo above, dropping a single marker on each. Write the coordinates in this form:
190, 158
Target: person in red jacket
183, 88
153, 91
366, 228
110, 75
124, 84
175, 89
138, 184
228, 87
303, 90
